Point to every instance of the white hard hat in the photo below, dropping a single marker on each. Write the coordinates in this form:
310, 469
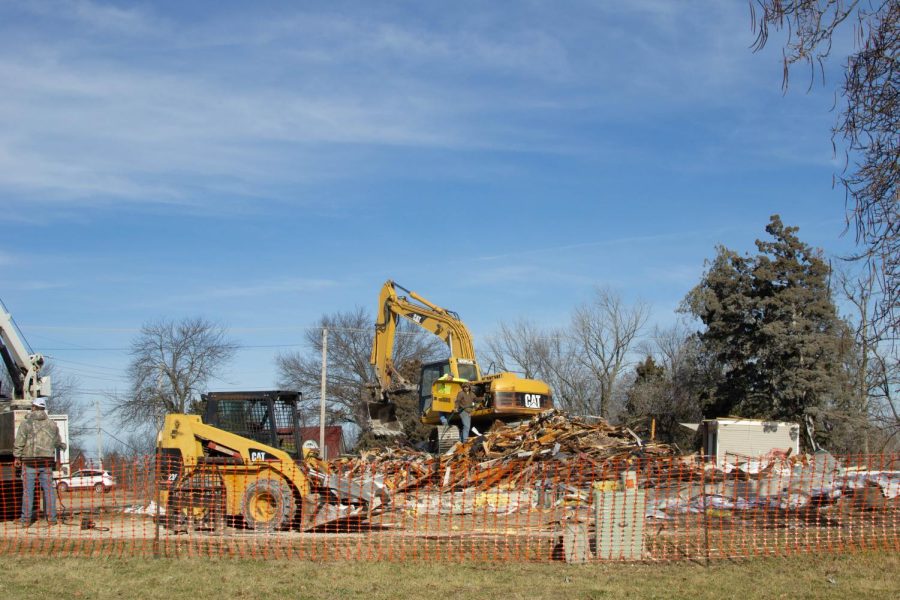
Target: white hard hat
310, 445
40, 402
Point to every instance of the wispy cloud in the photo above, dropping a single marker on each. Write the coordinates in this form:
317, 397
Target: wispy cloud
131, 106
94, 15
523, 274
37, 286
267, 288
683, 275
83, 328
612, 242
200, 295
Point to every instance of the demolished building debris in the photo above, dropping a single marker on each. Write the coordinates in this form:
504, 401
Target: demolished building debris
557, 461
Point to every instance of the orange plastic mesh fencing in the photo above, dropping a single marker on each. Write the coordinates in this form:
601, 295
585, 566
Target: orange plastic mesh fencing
574, 509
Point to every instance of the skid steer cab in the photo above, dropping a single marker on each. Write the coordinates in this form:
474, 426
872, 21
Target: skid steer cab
248, 470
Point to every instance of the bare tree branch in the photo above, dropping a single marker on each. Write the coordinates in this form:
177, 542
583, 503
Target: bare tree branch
171, 363
868, 125
604, 332
349, 348
65, 401
549, 356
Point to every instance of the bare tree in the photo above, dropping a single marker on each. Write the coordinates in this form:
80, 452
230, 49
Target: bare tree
519, 346
876, 367
885, 404
65, 401
574, 387
868, 125
350, 337
667, 385
581, 363
131, 446
604, 332
546, 355
171, 363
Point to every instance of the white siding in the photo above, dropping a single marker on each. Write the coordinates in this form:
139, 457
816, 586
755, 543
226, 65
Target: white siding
752, 438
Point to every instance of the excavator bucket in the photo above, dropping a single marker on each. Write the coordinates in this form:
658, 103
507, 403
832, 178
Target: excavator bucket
383, 419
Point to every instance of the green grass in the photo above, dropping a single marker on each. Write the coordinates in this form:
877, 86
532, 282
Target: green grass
865, 575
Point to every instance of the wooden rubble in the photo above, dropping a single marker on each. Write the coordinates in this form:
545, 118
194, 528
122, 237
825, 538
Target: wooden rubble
552, 446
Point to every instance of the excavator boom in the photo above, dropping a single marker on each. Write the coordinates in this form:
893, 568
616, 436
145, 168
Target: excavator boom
443, 323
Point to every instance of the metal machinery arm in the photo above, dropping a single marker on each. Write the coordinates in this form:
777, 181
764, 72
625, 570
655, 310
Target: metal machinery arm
441, 322
24, 368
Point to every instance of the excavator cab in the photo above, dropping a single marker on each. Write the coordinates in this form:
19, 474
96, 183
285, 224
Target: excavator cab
438, 385
440, 381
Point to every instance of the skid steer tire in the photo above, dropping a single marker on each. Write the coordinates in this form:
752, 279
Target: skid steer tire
268, 505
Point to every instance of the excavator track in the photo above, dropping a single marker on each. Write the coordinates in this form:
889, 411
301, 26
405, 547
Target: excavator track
444, 437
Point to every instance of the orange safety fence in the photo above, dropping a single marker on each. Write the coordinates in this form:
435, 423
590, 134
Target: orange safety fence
631, 508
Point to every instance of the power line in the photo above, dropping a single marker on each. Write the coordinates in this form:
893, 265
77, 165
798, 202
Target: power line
75, 362
118, 440
124, 349
238, 346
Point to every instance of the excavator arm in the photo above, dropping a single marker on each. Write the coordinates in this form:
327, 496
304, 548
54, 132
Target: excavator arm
443, 323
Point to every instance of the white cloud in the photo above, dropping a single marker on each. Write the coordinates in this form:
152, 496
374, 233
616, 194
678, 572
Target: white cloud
683, 275
94, 15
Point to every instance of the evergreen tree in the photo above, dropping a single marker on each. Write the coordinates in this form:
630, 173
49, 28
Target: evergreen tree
772, 327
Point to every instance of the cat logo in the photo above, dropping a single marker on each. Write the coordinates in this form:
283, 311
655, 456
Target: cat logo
532, 400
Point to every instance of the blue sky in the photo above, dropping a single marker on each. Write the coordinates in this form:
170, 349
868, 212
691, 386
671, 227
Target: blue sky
261, 164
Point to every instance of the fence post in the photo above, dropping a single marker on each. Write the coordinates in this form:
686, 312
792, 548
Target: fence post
156, 502
705, 513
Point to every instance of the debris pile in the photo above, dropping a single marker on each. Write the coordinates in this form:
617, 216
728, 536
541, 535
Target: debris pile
775, 481
511, 455
555, 461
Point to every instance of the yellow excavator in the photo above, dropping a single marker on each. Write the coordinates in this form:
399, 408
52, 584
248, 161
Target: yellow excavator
244, 463
500, 397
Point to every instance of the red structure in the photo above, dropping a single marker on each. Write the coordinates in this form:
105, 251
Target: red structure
334, 439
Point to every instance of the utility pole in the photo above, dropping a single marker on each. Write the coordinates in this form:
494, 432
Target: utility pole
99, 433
322, 394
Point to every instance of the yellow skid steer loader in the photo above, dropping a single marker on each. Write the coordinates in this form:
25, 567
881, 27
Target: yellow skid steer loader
246, 464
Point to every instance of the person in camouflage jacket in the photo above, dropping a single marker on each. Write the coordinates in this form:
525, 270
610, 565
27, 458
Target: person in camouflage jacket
37, 441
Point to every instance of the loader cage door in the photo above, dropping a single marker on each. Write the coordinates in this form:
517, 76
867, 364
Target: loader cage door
266, 417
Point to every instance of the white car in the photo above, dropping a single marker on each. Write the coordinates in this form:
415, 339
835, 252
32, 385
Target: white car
101, 481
